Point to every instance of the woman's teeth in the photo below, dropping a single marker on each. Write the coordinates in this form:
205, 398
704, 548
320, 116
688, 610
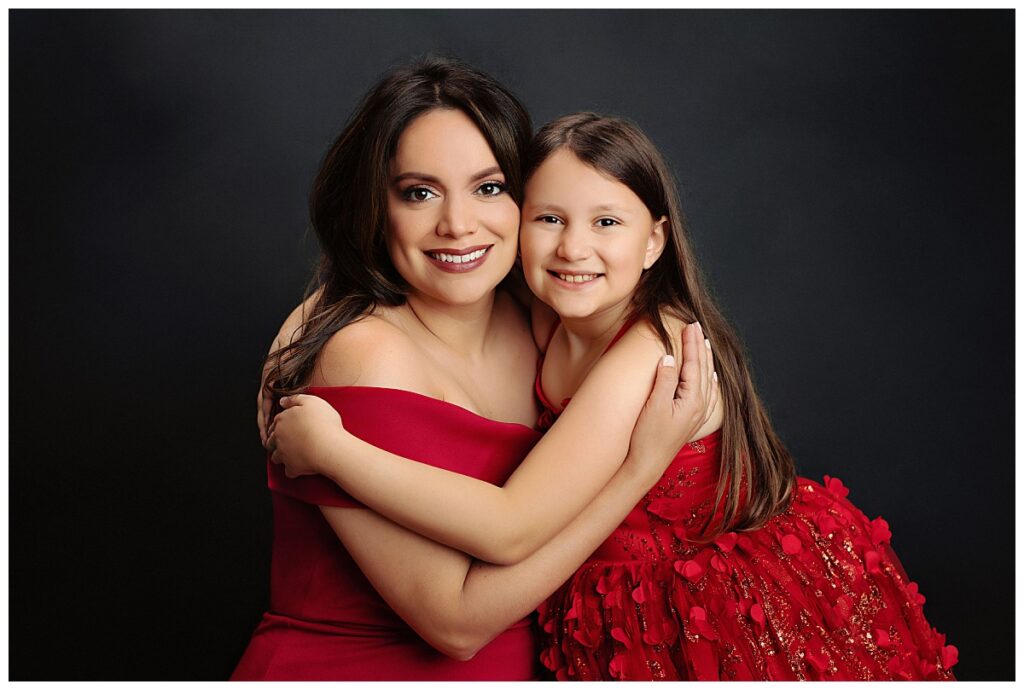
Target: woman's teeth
586, 278
458, 258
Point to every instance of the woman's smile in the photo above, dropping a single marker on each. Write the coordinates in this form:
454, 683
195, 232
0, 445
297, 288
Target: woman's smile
452, 225
459, 260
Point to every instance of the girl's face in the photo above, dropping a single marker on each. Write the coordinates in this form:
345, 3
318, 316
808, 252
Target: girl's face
452, 227
585, 238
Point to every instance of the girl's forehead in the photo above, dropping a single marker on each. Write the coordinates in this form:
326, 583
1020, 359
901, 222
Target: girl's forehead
563, 176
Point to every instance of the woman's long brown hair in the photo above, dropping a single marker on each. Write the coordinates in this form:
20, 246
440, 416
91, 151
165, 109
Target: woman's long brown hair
348, 203
757, 472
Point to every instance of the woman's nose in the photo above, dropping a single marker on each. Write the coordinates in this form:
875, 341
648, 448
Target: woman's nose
457, 219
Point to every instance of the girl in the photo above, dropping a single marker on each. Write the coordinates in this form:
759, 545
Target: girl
730, 567
416, 210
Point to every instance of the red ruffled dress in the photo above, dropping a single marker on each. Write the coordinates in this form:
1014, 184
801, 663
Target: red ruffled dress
326, 621
815, 594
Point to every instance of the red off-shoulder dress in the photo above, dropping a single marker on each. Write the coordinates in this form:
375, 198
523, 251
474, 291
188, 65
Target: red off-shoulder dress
326, 622
815, 594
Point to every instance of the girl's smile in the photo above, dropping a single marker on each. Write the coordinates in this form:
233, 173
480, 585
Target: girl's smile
585, 238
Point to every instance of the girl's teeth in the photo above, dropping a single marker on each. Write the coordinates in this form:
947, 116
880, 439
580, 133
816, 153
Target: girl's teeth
577, 278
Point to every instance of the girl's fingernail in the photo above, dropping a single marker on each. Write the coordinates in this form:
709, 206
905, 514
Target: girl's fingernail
668, 361
714, 375
707, 343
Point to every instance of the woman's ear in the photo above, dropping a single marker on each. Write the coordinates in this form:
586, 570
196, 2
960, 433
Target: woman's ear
655, 242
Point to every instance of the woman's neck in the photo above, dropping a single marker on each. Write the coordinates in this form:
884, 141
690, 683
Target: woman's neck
460, 328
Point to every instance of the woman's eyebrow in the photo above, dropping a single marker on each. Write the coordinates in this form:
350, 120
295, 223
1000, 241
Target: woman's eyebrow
414, 175
486, 172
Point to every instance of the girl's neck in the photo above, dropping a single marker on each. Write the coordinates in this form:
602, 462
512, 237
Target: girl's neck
595, 330
586, 340
459, 328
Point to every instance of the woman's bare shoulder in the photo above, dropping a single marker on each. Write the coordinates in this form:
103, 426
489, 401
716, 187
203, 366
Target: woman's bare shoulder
372, 351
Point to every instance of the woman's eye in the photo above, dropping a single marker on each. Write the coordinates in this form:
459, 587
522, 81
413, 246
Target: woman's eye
607, 222
491, 189
418, 194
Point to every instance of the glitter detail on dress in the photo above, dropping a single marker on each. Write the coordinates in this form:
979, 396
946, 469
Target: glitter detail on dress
815, 594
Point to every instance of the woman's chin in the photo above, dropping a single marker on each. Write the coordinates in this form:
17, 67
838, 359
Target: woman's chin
462, 295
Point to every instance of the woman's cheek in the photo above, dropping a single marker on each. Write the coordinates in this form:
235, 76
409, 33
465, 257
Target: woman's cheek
501, 218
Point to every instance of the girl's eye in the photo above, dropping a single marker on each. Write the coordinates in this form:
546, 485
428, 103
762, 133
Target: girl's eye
549, 219
491, 189
607, 222
418, 194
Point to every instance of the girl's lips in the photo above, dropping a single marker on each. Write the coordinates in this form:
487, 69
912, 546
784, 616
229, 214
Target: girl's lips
574, 280
459, 260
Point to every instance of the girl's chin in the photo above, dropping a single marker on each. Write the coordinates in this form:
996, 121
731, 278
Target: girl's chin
572, 311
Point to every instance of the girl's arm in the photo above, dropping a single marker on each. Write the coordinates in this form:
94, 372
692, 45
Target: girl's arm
563, 473
458, 605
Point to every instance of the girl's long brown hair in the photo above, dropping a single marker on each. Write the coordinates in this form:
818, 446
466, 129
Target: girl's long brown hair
348, 203
757, 472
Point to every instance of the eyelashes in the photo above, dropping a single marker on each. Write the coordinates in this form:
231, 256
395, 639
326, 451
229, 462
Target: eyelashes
600, 222
421, 193
494, 188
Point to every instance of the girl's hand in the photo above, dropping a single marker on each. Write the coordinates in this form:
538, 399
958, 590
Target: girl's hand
676, 409
303, 433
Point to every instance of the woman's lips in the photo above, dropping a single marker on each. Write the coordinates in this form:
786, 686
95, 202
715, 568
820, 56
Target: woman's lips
459, 260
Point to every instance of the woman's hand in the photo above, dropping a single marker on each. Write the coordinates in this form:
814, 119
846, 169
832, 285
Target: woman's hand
303, 433
675, 409
289, 331
263, 406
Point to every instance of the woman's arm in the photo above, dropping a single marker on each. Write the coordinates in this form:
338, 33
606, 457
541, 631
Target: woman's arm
458, 605
551, 487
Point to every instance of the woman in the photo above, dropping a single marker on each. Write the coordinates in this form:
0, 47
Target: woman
415, 207
730, 567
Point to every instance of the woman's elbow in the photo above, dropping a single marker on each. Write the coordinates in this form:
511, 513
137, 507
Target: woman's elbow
459, 645
459, 652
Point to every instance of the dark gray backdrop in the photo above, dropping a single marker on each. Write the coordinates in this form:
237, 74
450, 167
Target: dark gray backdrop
848, 177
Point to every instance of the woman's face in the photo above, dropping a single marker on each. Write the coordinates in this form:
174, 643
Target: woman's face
585, 238
452, 227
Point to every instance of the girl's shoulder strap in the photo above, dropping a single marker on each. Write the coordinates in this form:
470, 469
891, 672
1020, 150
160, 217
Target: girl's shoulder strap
551, 334
618, 336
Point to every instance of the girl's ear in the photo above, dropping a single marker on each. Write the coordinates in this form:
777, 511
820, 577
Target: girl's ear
656, 242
